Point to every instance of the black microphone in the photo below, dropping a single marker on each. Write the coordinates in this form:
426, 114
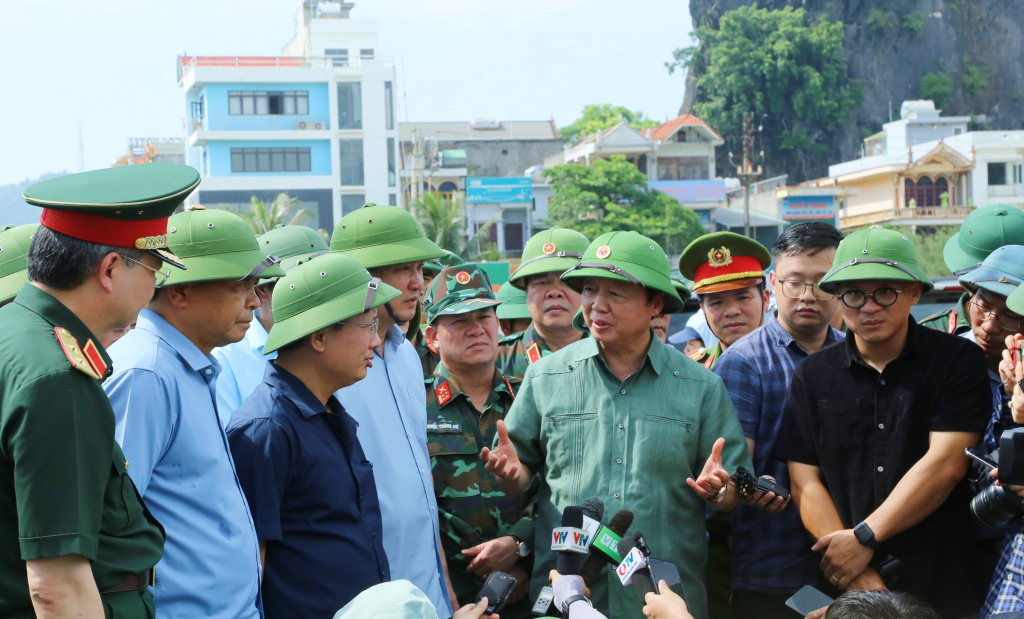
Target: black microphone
568, 561
593, 508
600, 547
641, 578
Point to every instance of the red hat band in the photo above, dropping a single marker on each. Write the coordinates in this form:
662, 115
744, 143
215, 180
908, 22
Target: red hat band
741, 267
103, 230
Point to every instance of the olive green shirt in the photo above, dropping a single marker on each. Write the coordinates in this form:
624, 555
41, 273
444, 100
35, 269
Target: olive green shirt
632, 444
954, 320
64, 489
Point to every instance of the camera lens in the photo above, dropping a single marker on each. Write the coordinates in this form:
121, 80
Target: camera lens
994, 506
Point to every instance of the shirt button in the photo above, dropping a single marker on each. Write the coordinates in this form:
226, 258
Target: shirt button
623, 392
618, 460
882, 381
675, 373
621, 426
209, 371
616, 495
881, 426
880, 469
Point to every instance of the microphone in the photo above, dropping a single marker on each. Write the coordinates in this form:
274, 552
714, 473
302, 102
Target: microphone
634, 568
593, 512
604, 547
570, 541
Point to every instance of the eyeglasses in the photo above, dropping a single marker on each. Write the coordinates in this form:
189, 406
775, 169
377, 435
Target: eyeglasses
160, 277
855, 299
794, 289
1003, 322
374, 326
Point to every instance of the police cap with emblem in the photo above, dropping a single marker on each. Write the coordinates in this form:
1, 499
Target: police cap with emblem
724, 261
457, 290
14, 244
124, 206
554, 250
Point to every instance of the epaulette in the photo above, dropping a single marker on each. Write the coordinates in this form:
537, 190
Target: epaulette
443, 393
697, 354
533, 353
86, 360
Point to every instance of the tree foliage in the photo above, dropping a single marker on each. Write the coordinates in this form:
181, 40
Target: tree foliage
444, 223
928, 244
937, 87
612, 195
598, 117
263, 218
791, 76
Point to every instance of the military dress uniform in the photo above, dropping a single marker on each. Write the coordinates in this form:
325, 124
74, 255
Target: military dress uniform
473, 508
64, 486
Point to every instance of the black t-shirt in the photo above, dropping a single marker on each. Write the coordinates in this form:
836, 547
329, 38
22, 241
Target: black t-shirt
866, 429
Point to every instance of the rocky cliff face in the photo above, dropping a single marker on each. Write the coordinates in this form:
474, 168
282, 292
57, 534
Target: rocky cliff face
892, 44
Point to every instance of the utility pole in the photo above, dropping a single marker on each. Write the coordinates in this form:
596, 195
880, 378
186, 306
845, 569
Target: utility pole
746, 171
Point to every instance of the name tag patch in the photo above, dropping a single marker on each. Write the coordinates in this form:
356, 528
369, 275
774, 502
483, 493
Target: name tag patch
444, 427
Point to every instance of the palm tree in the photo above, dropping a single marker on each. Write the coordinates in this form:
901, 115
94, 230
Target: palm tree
263, 219
444, 223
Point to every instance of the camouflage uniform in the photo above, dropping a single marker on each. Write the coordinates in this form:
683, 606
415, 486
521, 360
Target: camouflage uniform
954, 320
517, 351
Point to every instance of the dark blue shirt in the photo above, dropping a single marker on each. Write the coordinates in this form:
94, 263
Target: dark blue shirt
773, 551
312, 496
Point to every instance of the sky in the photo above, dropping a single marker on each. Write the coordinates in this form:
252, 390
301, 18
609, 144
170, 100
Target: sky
109, 65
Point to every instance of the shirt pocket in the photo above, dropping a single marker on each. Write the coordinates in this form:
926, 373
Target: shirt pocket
122, 506
454, 460
566, 443
665, 443
841, 425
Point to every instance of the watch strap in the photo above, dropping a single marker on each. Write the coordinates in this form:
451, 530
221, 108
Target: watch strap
569, 602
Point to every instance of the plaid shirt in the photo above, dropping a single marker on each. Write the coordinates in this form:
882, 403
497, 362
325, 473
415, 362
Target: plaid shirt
772, 553
1007, 591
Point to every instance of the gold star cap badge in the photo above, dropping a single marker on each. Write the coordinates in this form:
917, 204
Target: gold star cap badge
720, 257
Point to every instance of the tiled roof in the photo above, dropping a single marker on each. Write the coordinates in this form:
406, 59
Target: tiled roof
663, 131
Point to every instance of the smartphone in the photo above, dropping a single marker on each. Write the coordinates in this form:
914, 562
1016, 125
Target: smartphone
496, 589
983, 460
808, 600
664, 570
540, 607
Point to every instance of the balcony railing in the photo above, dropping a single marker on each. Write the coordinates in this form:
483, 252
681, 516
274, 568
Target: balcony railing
260, 122
920, 215
187, 63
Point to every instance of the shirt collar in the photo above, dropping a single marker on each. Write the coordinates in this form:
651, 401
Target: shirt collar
154, 323
910, 347
785, 338
441, 375
297, 392
655, 358
47, 307
256, 335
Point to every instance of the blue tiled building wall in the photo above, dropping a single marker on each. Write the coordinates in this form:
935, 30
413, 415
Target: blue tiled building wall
219, 153
218, 118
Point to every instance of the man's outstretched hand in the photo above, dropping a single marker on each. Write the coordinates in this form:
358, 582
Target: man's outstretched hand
714, 477
504, 462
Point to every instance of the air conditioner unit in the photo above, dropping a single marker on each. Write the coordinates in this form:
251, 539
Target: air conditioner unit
319, 126
303, 125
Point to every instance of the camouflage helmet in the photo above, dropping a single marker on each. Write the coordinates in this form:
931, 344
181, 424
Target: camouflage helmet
457, 290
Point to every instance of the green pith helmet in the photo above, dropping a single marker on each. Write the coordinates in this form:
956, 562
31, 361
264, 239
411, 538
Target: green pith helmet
724, 261
681, 288
1002, 272
291, 244
14, 244
985, 229
629, 257
320, 292
579, 322
449, 259
875, 254
457, 290
216, 245
513, 303
377, 236
551, 251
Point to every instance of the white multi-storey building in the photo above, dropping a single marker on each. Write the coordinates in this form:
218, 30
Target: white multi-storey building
317, 123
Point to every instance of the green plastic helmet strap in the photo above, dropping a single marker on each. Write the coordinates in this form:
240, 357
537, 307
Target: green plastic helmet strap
607, 267
394, 317
1001, 280
885, 261
561, 254
371, 289
966, 271
268, 261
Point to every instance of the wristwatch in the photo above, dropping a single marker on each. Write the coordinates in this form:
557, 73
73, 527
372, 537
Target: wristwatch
524, 550
865, 536
576, 598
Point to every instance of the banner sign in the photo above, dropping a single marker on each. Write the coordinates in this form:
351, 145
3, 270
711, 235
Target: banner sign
808, 207
710, 190
498, 190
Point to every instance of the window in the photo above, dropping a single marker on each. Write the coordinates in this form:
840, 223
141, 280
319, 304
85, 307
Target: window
681, 136
289, 102
206, 161
1018, 173
350, 157
350, 105
270, 160
958, 130
366, 54
997, 173
392, 199
389, 107
513, 237
339, 57
391, 162
351, 203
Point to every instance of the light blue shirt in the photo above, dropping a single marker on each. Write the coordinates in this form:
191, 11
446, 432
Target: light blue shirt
390, 405
242, 365
163, 391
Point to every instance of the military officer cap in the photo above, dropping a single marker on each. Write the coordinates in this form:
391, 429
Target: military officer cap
724, 261
449, 259
14, 244
513, 303
291, 244
554, 250
217, 245
1001, 272
320, 292
381, 235
984, 230
629, 257
124, 206
458, 290
875, 254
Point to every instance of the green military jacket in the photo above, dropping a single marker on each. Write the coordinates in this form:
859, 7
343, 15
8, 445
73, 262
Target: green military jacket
954, 320
631, 443
472, 507
429, 358
64, 486
518, 351
707, 357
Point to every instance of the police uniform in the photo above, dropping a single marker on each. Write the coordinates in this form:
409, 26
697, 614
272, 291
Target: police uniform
552, 251
473, 508
64, 486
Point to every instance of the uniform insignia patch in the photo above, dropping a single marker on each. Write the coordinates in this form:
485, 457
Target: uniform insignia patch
720, 257
430, 347
443, 393
95, 359
603, 252
533, 353
74, 352
697, 354
952, 321
444, 427
462, 277
549, 248
509, 385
